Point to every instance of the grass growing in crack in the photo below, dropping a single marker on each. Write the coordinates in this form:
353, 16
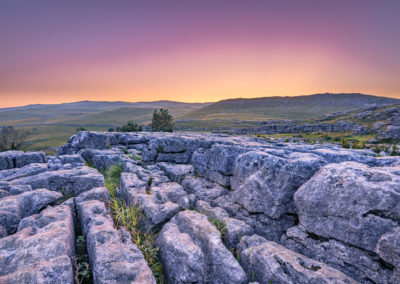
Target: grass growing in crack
220, 225
129, 217
83, 273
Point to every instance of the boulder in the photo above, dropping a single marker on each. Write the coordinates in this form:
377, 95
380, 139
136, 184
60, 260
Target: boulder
202, 188
268, 183
155, 202
71, 182
28, 170
351, 202
361, 265
269, 262
41, 250
191, 250
103, 243
16, 207
7, 189
18, 159
176, 172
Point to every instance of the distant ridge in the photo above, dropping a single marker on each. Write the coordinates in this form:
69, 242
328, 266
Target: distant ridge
297, 107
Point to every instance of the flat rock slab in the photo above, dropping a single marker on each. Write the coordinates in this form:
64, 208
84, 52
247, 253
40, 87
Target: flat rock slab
113, 258
202, 188
159, 203
41, 250
176, 172
192, 251
268, 262
73, 182
351, 202
14, 208
28, 170
18, 159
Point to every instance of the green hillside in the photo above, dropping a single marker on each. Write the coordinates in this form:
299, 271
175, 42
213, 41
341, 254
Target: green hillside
301, 107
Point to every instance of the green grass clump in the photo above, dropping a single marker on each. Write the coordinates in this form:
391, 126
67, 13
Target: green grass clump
130, 217
220, 225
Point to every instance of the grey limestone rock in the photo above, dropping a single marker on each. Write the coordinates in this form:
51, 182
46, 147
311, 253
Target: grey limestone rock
269, 262
113, 256
16, 207
191, 250
41, 250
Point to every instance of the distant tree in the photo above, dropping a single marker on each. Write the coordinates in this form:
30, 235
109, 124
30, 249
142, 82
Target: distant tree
131, 126
111, 129
80, 129
162, 121
12, 139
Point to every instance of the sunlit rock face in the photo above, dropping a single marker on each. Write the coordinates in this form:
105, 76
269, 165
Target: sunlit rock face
224, 209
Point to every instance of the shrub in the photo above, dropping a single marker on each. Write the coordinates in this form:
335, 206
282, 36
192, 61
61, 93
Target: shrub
12, 139
80, 129
345, 143
130, 126
162, 121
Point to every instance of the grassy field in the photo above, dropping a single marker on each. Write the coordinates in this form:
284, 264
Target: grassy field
44, 137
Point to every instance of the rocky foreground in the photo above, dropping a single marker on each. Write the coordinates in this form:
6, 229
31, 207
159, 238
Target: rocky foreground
290, 213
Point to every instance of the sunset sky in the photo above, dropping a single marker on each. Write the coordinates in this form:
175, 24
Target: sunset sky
196, 51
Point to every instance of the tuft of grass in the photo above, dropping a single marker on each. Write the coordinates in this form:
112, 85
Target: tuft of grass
83, 273
130, 217
135, 157
112, 177
220, 225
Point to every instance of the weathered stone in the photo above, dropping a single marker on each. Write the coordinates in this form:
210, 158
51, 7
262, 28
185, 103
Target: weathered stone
351, 202
41, 251
73, 181
7, 189
14, 208
104, 243
169, 191
187, 201
98, 193
267, 262
203, 189
18, 159
364, 266
212, 212
191, 250
156, 205
103, 159
28, 170
176, 172
269, 182
88, 140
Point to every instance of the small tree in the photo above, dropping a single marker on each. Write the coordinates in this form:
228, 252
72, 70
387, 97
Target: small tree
162, 121
80, 129
131, 126
12, 139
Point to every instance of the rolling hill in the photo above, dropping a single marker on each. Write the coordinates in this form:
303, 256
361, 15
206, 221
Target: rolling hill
300, 107
51, 125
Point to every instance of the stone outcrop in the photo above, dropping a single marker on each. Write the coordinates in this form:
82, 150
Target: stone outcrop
226, 209
269, 262
113, 256
42, 249
192, 251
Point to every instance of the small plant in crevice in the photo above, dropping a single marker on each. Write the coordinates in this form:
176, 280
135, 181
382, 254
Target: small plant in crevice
83, 273
135, 157
130, 217
220, 225
125, 150
345, 143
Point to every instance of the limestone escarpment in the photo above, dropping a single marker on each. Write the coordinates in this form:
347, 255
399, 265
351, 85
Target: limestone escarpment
227, 209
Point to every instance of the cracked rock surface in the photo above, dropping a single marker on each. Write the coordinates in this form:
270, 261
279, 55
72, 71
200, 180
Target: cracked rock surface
224, 209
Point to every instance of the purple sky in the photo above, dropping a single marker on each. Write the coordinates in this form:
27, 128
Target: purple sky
61, 51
